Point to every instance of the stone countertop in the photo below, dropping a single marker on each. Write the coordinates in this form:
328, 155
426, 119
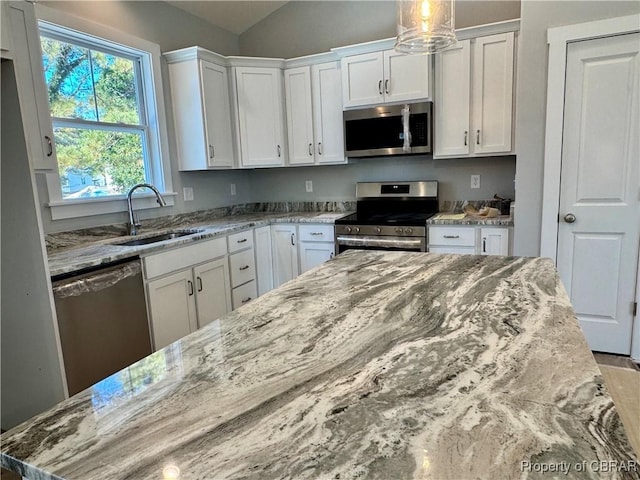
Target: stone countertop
499, 221
385, 365
102, 249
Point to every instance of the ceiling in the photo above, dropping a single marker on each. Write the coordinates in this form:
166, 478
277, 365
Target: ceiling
235, 16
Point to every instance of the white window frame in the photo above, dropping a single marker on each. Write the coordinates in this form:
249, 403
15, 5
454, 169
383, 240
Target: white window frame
153, 101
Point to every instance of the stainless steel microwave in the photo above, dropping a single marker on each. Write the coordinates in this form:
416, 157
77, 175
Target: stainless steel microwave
379, 131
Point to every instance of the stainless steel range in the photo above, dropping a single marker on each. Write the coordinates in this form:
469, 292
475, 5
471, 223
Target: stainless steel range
389, 216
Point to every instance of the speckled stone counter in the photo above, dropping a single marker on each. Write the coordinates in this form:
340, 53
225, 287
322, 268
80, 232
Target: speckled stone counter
74, 251
374, 365
499, 221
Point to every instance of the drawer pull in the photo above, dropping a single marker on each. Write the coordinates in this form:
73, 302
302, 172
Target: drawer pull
248, 299
244, 268
484, 244
241, 241
199, 283
315, 234
190, 285
451, 236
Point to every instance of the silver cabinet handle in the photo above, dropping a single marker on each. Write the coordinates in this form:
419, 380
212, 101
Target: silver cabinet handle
484, 244
386, 86
319, 148
315, 234
199, 280
380, 87
49, 145
466, 133
241, 240
244, 268
190, 285
211, 151
451, 236
311, 149
293, 236
279, 151
569, 218
477, 137
248, 299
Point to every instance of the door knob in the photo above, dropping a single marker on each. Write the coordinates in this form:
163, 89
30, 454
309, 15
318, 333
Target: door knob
569, 218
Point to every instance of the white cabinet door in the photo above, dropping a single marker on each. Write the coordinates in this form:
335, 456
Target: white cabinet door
172, 307
285, 253
260, 116
406, 77
327, 113
202, 114
217, 115
315, 253
32, 90
297, 87
492, 93
264, 259
362, 79
494, 241
213, 291
452, 115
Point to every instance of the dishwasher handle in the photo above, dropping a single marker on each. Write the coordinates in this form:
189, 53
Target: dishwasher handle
95, 281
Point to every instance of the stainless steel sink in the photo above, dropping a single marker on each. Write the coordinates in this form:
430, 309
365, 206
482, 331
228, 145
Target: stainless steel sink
157, 238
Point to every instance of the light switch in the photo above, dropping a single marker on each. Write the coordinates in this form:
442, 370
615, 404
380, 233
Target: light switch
233, 188
308, 185
187, 192
475, 181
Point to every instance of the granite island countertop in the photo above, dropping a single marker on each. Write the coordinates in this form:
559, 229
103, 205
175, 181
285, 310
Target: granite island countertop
75, 252
385, 365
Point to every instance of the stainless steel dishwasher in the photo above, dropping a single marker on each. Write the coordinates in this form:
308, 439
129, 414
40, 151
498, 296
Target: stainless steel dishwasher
102, 319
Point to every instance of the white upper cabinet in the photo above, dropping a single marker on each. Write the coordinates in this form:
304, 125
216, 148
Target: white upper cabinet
385, 77
201, 110
32, 90
260, 116
314, 114
5, 33
474, 97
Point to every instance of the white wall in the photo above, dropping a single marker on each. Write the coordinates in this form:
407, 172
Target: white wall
536, 17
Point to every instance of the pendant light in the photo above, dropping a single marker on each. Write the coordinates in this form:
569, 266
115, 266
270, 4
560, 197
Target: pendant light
425, 26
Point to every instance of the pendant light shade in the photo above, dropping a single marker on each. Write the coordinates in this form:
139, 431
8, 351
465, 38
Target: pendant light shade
425, 26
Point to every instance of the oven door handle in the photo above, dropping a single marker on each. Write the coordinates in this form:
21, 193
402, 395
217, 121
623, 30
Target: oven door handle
365, 241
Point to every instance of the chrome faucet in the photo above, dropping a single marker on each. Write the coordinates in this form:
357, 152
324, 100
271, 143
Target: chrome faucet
133, 223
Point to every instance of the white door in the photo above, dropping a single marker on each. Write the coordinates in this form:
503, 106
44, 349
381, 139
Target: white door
285, 253
327, 113
406, 77
492, 97
260, 116
264, 259
217, 115
213, 291
297, 88
599, 210
362, 82
453, 84
172, 307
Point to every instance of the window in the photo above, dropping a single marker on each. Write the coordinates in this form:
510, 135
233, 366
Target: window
106, 104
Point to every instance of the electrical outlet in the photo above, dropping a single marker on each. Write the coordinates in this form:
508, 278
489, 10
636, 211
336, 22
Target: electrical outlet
233, 188
308, 185
475, 181
187, 193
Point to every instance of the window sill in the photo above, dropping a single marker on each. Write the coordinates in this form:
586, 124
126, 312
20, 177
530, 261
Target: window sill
85, 207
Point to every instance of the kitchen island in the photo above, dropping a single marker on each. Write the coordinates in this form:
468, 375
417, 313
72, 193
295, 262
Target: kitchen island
382, 365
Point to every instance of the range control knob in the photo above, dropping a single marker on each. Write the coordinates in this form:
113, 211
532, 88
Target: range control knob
378, 230
356, 229
347, 229
399, 230
409, 231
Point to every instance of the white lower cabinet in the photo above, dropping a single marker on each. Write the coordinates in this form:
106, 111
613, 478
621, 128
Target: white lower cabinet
284, 244
264, 259
187, 288
244, 294
242, 265
469, 240
316, 245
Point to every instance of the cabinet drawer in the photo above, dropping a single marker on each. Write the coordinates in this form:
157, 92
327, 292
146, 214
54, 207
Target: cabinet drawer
243, 267
182, 257
459, 250
240, 241
244, 294
455, 236
316, 233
